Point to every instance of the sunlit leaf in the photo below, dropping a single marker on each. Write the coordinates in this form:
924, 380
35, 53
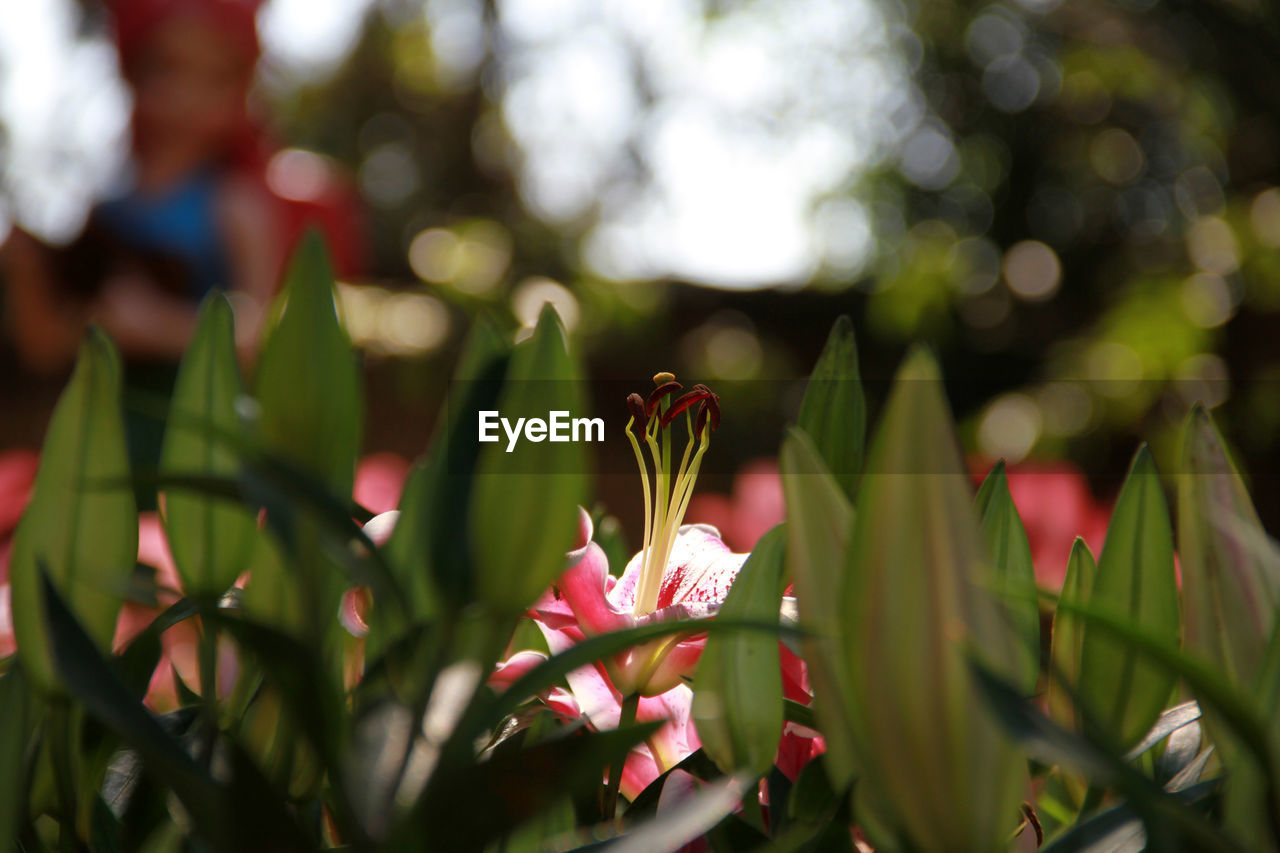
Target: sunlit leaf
737, 701
834, 409
524, 503
919, 591
1122, 690
1230, 570
1010, 554
1068, 636
82, 523
311, 417
209, 538
308, 381
820, 522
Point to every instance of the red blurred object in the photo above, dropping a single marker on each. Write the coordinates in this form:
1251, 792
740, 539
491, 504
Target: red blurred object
1056, 506
754, 507
379, 481
135, 20
17, 475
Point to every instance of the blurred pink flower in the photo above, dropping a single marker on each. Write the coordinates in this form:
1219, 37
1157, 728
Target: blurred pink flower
17, 475
750, 511
379, 481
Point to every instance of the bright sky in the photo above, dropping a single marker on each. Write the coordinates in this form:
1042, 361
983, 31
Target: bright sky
716, 149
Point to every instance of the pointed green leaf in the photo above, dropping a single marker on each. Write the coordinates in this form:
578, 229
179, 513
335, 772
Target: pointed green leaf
1068, 636
209, 538
819, 524
834, 409
308, 380
919, 600
82, 523
524, 503
1010, 554
737, 705
1230, 570
1120, 690
311, 417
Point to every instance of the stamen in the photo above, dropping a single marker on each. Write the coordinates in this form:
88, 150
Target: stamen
644, 483
655, 396
684, 401
638, 418
665, 507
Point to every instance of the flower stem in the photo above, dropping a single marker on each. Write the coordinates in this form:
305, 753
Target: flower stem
626, 717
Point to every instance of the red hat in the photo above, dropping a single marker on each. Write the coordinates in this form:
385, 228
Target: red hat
136, 20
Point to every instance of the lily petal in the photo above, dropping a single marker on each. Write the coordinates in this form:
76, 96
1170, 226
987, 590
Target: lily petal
584, 586
701, 569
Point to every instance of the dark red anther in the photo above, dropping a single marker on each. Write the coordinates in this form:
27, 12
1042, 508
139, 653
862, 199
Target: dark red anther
636, 404
655, 396
707, 409
685, 400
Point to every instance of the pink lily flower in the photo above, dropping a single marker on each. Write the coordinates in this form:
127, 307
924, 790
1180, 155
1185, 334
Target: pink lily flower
587, 600
683, 572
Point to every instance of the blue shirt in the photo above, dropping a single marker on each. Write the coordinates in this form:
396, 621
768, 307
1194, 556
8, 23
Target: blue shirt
180, 222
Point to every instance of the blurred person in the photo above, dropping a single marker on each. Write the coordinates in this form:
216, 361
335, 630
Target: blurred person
202, 206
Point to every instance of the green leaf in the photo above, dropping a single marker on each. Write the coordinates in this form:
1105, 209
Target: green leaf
1233, 703
737, 703
1135, 581
426, 552
486, 801
81, 523
688, 819
524, 504
1068, 636
918, 599
541, 831
89, 679
16, 727
1230, 570
308, 380
313, 701
308, 388
1230, 579
834, 409
819, 524
1170, 824
209, 538
1010, 553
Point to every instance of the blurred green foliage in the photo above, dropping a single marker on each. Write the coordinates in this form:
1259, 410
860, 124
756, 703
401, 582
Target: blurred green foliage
1083, 214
